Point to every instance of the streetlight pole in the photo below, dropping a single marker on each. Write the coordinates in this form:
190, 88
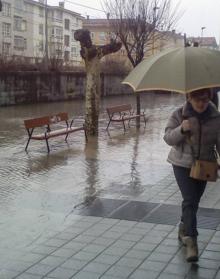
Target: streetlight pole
202, 28
154, 22
46, 36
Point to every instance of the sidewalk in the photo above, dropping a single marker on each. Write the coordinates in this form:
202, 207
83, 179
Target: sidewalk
108, 209
109, 248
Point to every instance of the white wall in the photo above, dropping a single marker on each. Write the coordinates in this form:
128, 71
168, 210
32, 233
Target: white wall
30, 13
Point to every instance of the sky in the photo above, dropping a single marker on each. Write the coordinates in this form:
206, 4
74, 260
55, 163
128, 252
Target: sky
196, 14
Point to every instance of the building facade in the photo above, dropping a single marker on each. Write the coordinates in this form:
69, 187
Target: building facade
101, 33
23, 31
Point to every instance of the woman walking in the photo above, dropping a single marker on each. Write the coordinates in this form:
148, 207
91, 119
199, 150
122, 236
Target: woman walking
193, 131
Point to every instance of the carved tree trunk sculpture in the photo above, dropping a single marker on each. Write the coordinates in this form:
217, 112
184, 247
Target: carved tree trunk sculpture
92, 56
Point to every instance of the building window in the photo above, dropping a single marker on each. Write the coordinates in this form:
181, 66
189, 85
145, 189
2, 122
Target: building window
67, 24
25, 43
102, 36
17, 23
6, 9
6, 48
72, 36
57, 16
67, 40
6, 29
56, 50
24, 25
57, 32
41, 29
20, 24
20, 43
73, 52
19, 6
59, 54
41, 12
41, 46
66, 55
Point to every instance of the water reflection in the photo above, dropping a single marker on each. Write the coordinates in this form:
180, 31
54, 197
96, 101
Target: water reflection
108, 164
45, 162
135, 182
39, 190
92, 168
125, 150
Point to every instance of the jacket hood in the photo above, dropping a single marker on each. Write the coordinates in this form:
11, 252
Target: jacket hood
211, 111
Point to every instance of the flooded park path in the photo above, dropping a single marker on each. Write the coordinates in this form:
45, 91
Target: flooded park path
115, 165
81, 189
39, 190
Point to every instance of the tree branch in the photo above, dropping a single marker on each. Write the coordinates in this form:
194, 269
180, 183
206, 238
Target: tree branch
109, 48
137, 22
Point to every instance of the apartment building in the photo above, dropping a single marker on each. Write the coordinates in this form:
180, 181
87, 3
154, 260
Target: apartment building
100, 31
23, 31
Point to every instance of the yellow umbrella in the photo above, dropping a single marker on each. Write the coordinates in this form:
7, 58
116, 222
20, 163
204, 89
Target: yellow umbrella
181, 70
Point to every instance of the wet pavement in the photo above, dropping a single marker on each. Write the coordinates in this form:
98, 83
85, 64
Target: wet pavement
103, 209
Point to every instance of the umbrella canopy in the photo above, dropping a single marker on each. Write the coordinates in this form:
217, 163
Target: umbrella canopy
181, 69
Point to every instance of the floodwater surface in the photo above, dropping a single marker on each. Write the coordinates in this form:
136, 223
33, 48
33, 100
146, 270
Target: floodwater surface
39, 191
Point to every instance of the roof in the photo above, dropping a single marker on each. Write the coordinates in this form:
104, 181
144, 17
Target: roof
173, 34
96, 22
103, 22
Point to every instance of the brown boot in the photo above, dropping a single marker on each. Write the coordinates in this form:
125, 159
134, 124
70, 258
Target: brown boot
191, 248
181, 232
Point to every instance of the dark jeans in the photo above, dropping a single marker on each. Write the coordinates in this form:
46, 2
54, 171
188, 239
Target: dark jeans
191, 190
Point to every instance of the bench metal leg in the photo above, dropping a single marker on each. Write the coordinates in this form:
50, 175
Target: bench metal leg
108, 124
145, 120
48, 148
124, 125
27, 143
85, 134
66, 137
30, 132
129, 123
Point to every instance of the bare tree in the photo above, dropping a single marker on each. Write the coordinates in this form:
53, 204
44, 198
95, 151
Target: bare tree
92, 55
139, 24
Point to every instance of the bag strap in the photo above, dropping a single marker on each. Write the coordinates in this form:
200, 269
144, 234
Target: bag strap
189, 140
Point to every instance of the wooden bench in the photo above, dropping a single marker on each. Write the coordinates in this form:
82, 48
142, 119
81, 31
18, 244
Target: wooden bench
48, 122
123, 113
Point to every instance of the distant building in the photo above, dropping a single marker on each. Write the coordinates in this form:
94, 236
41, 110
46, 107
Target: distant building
101, 34
100, 30
207, 42
22, 35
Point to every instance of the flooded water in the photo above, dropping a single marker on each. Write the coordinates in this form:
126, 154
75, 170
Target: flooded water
39, 190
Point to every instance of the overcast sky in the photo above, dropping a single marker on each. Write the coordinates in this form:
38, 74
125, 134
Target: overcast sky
197, 14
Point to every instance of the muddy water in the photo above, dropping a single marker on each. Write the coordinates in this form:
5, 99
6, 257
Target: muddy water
40, 190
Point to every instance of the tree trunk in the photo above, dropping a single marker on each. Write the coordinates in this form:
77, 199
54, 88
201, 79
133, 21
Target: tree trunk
93, 82
92, 56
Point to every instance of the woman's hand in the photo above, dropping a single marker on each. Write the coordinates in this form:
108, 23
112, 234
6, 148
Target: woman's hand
185, 126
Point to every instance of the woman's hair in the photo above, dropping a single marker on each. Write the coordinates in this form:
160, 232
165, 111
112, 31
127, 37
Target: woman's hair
200, 93
210, 92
